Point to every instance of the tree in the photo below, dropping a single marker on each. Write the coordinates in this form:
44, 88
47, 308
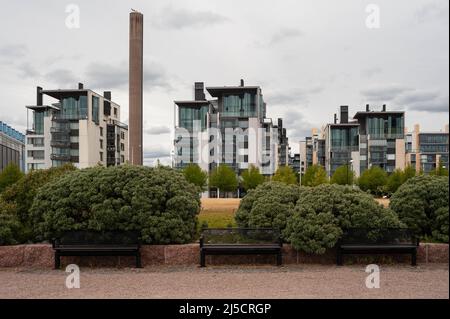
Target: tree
285, 174
373, 180
315, 175
408, 172
224, 179
441, 170
343, 175
194, 174
10, 175
251, 178
394, 181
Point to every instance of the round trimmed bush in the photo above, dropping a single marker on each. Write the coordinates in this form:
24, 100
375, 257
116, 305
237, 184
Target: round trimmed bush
422, 203
323, 212
268, 206
158, 202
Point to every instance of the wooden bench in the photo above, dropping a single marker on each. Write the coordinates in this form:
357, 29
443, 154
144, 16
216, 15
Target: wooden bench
91, 243
377, 241
240, 241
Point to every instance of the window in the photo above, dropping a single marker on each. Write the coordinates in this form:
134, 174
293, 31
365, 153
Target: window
122, 147
122, 159
122, 135
101, 144
39, 122
101, 131
115, 111
95, 109
101, 156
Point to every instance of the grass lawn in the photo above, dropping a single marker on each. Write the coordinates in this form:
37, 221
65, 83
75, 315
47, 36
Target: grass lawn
218, 213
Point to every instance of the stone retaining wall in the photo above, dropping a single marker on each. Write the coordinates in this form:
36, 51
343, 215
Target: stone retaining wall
42, 256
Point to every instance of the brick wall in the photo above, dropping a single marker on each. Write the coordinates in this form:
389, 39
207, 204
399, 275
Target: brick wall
41, 256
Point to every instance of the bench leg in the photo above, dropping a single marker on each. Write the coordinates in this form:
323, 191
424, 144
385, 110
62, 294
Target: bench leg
414, 258
279, 259
57, 260
338, 257
202, 259
138, 260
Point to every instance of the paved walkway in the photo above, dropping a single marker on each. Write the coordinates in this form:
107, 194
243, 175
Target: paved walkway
300, 281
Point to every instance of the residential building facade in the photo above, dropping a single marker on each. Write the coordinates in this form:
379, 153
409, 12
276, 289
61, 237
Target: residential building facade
231, 128
426, 150
80, 127
12, 147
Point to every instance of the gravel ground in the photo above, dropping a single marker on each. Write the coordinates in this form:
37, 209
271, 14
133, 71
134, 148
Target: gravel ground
296, 281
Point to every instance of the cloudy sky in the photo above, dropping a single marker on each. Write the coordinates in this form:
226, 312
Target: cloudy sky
308, 56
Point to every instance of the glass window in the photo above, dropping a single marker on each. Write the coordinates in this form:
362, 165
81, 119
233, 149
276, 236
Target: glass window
243, 105
95, 109
39, 122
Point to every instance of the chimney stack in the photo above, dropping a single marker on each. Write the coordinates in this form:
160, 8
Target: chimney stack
80, 86
242, 82
199, 92
344, 114
384, 108
107, 104
39, 96
367, 108
135, 88
335, 118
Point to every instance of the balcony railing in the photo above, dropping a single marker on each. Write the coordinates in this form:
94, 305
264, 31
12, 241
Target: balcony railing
60, 157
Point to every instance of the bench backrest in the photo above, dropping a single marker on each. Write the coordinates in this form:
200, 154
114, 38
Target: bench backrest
378, 236
113, 238
240, 236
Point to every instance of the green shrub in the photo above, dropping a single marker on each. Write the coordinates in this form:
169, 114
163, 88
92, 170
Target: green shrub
194, 174
315, 175
285, 174
268, 205
322, 212
16, 201
343, 175
158, 202
419, 203
440, 225
10, 226
251, 178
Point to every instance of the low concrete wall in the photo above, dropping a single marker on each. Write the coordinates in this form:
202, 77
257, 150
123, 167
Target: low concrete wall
42, 256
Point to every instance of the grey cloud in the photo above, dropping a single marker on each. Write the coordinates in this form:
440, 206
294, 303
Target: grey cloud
292, 96
425, 101
156, 151
284, 34
157, 130
370, 72
109, 76
62, 77
297, 126
432, 11
27, 70
384, 93
179, 18
13, 51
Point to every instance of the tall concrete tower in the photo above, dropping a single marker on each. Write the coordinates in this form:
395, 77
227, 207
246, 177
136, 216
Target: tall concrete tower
135, 88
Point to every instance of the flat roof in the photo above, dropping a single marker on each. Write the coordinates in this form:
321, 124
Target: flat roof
365, 113
61, 93
192, 103
41, 107
216, 90
343, 124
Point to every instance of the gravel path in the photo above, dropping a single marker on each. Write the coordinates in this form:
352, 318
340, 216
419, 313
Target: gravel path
299, 281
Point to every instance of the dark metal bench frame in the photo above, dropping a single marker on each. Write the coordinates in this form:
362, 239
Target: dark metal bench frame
64, 246
274, 248
347, 246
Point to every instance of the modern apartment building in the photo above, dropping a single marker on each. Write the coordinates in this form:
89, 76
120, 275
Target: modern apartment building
78, 126
370, 138
425, 150
230, 128
381, 138
12, 147
342, 143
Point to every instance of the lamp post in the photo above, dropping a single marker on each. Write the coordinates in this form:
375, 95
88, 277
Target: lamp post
348, 164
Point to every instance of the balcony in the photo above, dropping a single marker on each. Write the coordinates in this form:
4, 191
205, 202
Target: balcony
60, 143
60, 157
